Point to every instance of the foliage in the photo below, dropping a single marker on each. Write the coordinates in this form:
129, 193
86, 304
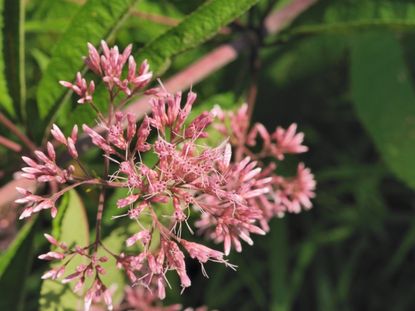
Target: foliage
54, 295
343, 71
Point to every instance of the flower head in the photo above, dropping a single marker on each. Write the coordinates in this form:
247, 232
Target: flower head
232, 190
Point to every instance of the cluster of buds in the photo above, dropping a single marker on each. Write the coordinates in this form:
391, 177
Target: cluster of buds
228, 187
45, 169
110, 65
93, 268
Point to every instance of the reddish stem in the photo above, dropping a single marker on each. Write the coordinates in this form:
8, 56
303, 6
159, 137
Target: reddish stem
158, 19
16, 131
253, 87
10, 144
101, 202
100, 211
168, 21
223, 55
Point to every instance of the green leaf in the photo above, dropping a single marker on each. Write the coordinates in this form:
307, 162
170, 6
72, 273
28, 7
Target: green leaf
96, 20
278, 265
57, 25
194, 29
405, 247
41, 59
384, 100
115, 242
286, 65
52, 17
6, 103
346, 16
45, 10
14, 267
70, 226
14, 53
304, 258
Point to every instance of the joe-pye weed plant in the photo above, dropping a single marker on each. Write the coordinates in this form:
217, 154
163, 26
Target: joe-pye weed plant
231, 190
131, 210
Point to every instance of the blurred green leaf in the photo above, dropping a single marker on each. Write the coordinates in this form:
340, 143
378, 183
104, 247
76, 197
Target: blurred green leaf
303, 260
278, 265
114, 276
96, 20
14, 267
154, 17
346, 16
193, 30
50, 25
326, 299
42, 10
72, 224
6, 103
405, 246
286, 65
384, 99
348, 270
14, 53
249, 278
171, 8
41, 59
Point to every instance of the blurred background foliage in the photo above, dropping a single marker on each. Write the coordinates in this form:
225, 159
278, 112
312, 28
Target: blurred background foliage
344, 71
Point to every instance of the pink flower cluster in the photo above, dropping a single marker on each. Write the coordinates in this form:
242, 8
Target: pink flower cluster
93, 269
142, 300
285, 194
230, 189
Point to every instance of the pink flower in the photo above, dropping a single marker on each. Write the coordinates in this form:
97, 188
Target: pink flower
143, 236
68, 142
229, 186
54, 273
97, 292
140, 298
127, 201
175, 261
81, 88
110, 66
196, 128
296, 192
142, 134
98, 140
166, 111
112, 63
57, 134
203, 254
46, 169
287, 141
116, 132
228, 215
51, 256
34, 203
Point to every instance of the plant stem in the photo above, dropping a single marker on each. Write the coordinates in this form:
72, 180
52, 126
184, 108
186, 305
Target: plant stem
99, 114
101, 202
100, 211
10, 144
19, 134
255, 65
